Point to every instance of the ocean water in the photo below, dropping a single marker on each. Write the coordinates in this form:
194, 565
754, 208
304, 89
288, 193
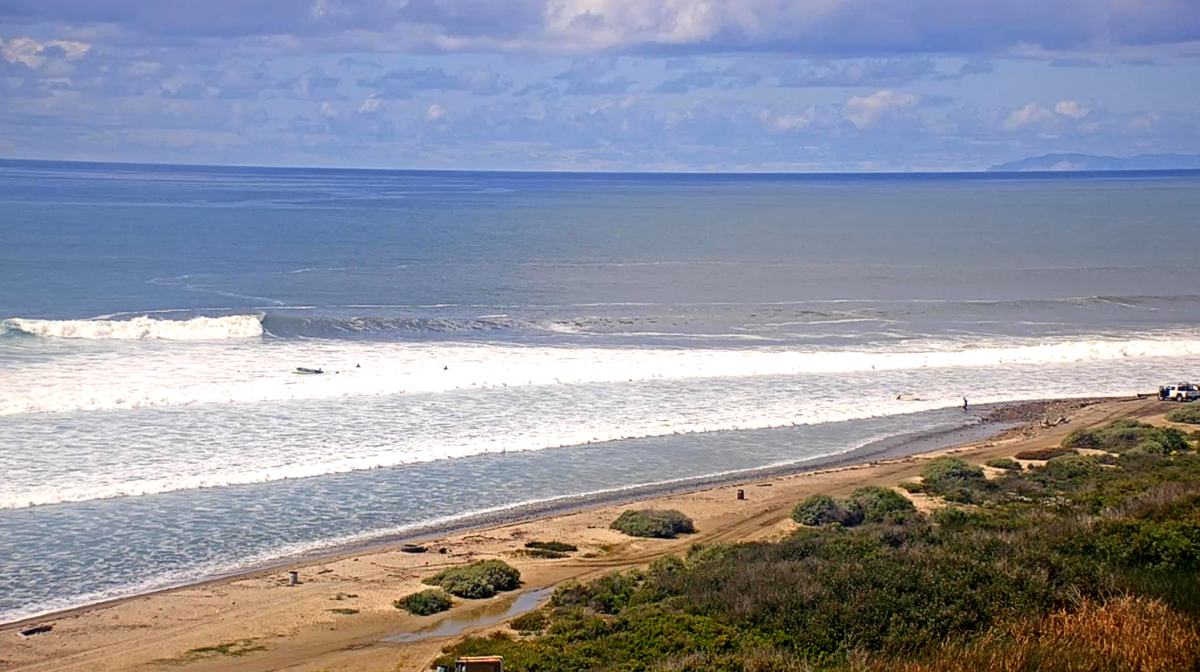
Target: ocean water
493, 339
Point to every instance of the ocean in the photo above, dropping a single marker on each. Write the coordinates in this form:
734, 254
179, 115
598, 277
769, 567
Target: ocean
492, 340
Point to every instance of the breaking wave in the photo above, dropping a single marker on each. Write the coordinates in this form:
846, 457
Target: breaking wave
285, 326
143, 328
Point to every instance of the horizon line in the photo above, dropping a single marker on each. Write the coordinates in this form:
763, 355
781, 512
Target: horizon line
990, 171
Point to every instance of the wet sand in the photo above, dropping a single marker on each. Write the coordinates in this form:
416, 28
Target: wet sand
341, 616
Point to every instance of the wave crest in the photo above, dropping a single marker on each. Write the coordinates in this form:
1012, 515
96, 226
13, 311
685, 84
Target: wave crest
143, 328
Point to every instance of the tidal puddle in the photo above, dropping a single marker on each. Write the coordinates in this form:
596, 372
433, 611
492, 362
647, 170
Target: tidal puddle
498, 611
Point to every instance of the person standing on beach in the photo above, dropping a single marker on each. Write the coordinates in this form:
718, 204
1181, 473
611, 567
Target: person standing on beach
964, 403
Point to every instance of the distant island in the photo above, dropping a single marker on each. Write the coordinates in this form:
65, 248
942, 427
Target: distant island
1092, 162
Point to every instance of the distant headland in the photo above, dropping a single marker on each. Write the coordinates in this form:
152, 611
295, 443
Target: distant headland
1092, 162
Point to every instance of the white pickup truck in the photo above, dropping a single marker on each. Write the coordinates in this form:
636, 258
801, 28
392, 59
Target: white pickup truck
1179, 392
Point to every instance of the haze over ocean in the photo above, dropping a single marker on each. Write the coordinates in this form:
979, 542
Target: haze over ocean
491, 339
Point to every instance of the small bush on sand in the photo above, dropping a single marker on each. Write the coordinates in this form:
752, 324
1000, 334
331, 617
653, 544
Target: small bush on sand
542, 553
913, 486
820, 510
946, 468
882, 505
1189, 414
477, 580
658, 523
424, 603
556, 546
1044, 453
1005, 463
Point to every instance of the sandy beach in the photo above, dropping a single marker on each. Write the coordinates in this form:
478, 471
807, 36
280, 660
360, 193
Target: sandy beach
340, 616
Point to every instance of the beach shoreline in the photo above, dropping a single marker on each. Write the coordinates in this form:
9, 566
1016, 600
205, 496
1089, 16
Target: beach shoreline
88, 629
889, 447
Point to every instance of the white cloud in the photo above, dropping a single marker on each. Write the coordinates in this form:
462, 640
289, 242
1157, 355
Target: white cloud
371, 104
327, 111
789, 122
30, 52
73, 50
1026, 116
1033, 114
435, 112
1071, 108
866, 111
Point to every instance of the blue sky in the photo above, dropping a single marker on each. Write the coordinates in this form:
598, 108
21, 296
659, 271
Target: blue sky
800, 85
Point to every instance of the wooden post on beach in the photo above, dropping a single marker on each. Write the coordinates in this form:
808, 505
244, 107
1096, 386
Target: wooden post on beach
293, 578
741, 494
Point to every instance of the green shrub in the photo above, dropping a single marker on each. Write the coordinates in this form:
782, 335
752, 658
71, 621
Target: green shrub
607, 595
658, 523
468, 587
542, 553
880, 504
913, 486
952, 516
1127, 436
533, 621
1005, 463
1082, 438
961, 496
1047, 453
820, 510
1069, 467
556, 546
424, 603
1189, 414
477, 580
946, 468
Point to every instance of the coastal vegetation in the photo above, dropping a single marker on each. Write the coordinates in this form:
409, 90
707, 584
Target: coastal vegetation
945, 468
234, 649
1129, 436
872, 504
548, 549
1189, 414
556, 546
425, 603
530, 622
1087, 562
820, 510
1044, 453
657, 523
1004, 463
477, 580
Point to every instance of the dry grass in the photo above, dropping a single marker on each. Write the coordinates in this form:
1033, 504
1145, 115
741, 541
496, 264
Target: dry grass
1124, 634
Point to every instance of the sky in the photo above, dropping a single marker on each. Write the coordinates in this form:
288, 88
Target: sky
653, 85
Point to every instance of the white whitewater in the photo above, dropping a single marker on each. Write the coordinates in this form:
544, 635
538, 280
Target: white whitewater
144, 328
147, 374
